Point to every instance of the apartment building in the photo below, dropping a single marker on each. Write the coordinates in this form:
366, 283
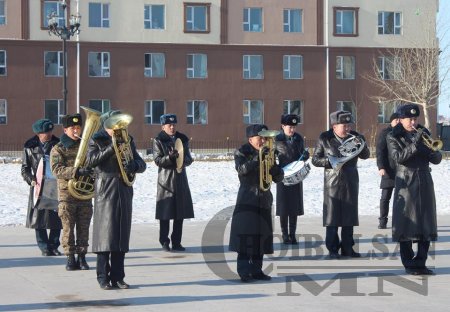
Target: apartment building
219, 64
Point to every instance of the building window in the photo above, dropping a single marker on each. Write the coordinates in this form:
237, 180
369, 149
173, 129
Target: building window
2, 63
253, 112
50, 7
292, 20
292, 66
197, 112
389, 23
294, 107
155, 65
345, 67
196, 17
98, 64
3, 112
348, 106
388, 67
53, 63
154, 16
197, 66
346, 21
2, 12
102, 106
99, 15
54, 110
153, 111
253, 19
253, 67
385, 110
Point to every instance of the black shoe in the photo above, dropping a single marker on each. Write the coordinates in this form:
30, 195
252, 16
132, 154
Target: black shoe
353, 254
71, 263
412, 271
382, 224
178, 248
293, 239
247, 278
105, 286
286, 239
166, 246
56, 252
333, 255
47, 253
261, 276
426, 271
120, 284
81, 262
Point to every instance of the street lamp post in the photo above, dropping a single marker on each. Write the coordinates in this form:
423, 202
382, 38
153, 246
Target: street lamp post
65, 33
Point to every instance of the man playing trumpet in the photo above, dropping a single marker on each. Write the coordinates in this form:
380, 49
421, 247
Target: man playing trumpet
340, 192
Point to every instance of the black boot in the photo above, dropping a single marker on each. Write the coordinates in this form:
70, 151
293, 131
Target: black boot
293, 239
81, 262
383, 223
284, 230
71, 263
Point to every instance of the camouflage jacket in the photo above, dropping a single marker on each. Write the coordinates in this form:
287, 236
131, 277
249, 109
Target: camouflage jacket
62, 160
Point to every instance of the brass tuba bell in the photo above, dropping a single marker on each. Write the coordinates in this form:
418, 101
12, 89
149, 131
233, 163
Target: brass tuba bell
266, 158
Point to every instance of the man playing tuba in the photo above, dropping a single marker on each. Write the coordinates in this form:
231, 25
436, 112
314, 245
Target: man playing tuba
340, 194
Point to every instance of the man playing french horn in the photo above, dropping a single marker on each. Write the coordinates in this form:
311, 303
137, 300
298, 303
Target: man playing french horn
75, 213
341, 181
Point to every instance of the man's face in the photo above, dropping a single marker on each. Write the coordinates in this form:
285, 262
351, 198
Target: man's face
408, 123
257, 141
45, 136
170, 129
73, 132
342, 130
288, 130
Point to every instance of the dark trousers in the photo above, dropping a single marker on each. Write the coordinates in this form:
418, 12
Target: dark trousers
47, 242
113, 271
249, 264
177, 232
407, 254
386, 194
290, 220
332, 239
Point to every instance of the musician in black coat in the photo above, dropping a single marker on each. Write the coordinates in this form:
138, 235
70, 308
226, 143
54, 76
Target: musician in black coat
386, 172
34, 149
414, 211
251, 225
290, 147
341, 187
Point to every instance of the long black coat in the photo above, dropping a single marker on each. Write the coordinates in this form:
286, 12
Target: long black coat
289, 197
173, 198
388, 179
113, 198
32, 154
414, 212
341, 188
251, 225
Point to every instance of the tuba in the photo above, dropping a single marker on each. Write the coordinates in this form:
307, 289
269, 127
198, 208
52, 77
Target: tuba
266, 158
349, 149
433, 145
121, 143
83, 187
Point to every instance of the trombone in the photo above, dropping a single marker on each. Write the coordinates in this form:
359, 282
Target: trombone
429, 142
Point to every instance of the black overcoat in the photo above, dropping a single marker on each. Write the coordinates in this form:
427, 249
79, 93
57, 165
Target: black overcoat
388, 179
340, 191
414, 210
289, 197
33, 151
251, 224
113, 198
173, 198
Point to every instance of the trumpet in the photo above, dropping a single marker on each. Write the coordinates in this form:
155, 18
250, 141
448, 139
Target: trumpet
266, 158
428, 141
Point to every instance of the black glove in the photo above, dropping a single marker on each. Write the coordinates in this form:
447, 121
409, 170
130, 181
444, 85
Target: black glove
275, 170
305, 155
173, 154
131, 167
417, 136
265, 150
84, 172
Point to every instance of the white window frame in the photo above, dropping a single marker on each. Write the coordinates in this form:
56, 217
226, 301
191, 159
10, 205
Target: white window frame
60, 61
190, 23
397, 28
191, 118
4, 64
3, 107
150, 21
247, 105
287, 108
104, 21
190, 71
246, 72
104, 69
61, 19
148, 111
249, 25
287, 59
340, 70
61, 110
382, 68
3, 16
106, 104
148, 70
340, 105
287, 24
383, 115
340, 21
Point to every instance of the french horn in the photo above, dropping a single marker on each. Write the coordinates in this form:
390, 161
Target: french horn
349, 149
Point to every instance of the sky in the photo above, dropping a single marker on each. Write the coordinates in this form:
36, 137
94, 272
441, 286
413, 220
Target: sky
444, 41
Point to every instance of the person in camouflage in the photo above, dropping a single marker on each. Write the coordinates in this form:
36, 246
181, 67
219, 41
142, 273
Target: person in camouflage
74, 213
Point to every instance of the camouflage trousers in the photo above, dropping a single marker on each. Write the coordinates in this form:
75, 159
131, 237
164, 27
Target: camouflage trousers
75, 218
